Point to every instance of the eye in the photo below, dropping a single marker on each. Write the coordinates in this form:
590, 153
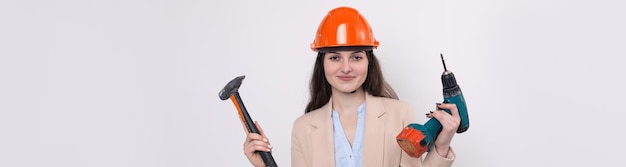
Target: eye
333, 57
357, 56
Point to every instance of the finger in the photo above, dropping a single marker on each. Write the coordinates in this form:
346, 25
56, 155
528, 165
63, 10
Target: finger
454, 111
253, 136
445, 119
428, 115
251, 149
440, 115
257, 145
258, 126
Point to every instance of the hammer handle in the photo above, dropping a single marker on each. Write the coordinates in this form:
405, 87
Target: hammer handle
249, 124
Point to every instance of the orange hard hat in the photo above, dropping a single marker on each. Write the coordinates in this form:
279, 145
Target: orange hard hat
343, 26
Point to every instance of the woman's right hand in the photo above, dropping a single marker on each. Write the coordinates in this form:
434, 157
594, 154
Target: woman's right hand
255, 142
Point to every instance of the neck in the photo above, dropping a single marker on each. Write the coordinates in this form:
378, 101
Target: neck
348, 101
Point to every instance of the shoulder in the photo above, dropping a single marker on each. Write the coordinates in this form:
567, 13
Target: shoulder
389, 103
394, 110
304, 119
312, 118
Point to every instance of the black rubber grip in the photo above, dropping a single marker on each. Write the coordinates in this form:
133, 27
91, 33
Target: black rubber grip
268, 159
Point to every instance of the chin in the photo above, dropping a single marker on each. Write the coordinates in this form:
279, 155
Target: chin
349, 90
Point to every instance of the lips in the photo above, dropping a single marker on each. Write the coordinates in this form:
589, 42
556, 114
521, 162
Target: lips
346, 78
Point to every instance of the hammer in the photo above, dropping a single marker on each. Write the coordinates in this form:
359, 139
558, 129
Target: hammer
231, 90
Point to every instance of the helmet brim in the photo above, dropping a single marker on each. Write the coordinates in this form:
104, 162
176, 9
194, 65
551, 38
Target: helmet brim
345, 48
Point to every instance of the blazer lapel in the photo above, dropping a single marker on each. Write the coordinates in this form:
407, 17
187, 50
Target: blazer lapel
374, 137
323, 147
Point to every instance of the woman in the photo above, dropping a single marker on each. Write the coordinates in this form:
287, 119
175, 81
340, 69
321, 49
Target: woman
353, 115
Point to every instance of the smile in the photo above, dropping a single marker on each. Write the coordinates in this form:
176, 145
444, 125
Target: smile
346, 78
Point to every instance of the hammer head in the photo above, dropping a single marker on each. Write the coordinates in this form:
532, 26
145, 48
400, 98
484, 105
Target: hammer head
231, 87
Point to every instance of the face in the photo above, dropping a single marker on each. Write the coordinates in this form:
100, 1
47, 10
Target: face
346, 71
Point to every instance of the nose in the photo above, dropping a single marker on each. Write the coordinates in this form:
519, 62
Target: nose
345, 66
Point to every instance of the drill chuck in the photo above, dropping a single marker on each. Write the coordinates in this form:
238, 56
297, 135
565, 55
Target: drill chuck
450, 88
448, 80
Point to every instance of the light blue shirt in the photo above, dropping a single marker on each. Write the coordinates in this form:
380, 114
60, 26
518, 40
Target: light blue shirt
346, 156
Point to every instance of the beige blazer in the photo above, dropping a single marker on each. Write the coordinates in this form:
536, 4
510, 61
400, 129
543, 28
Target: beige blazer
312, 143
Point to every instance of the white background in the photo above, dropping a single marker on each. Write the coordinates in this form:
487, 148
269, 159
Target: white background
134, 83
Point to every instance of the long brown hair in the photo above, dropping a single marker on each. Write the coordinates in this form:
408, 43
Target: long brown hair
320, 89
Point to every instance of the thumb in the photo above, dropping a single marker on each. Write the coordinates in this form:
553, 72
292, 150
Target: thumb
258, 126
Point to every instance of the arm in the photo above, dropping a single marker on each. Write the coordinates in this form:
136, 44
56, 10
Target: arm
449, 124
431, 159
297, 157
442, 154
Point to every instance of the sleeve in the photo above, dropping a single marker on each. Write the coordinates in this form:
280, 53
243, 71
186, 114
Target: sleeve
432, 159
297, 156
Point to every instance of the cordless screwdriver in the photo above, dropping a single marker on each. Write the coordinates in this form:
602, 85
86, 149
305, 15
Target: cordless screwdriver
416, 139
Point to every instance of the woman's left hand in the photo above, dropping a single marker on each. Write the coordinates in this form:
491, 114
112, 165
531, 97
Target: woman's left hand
449, 124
